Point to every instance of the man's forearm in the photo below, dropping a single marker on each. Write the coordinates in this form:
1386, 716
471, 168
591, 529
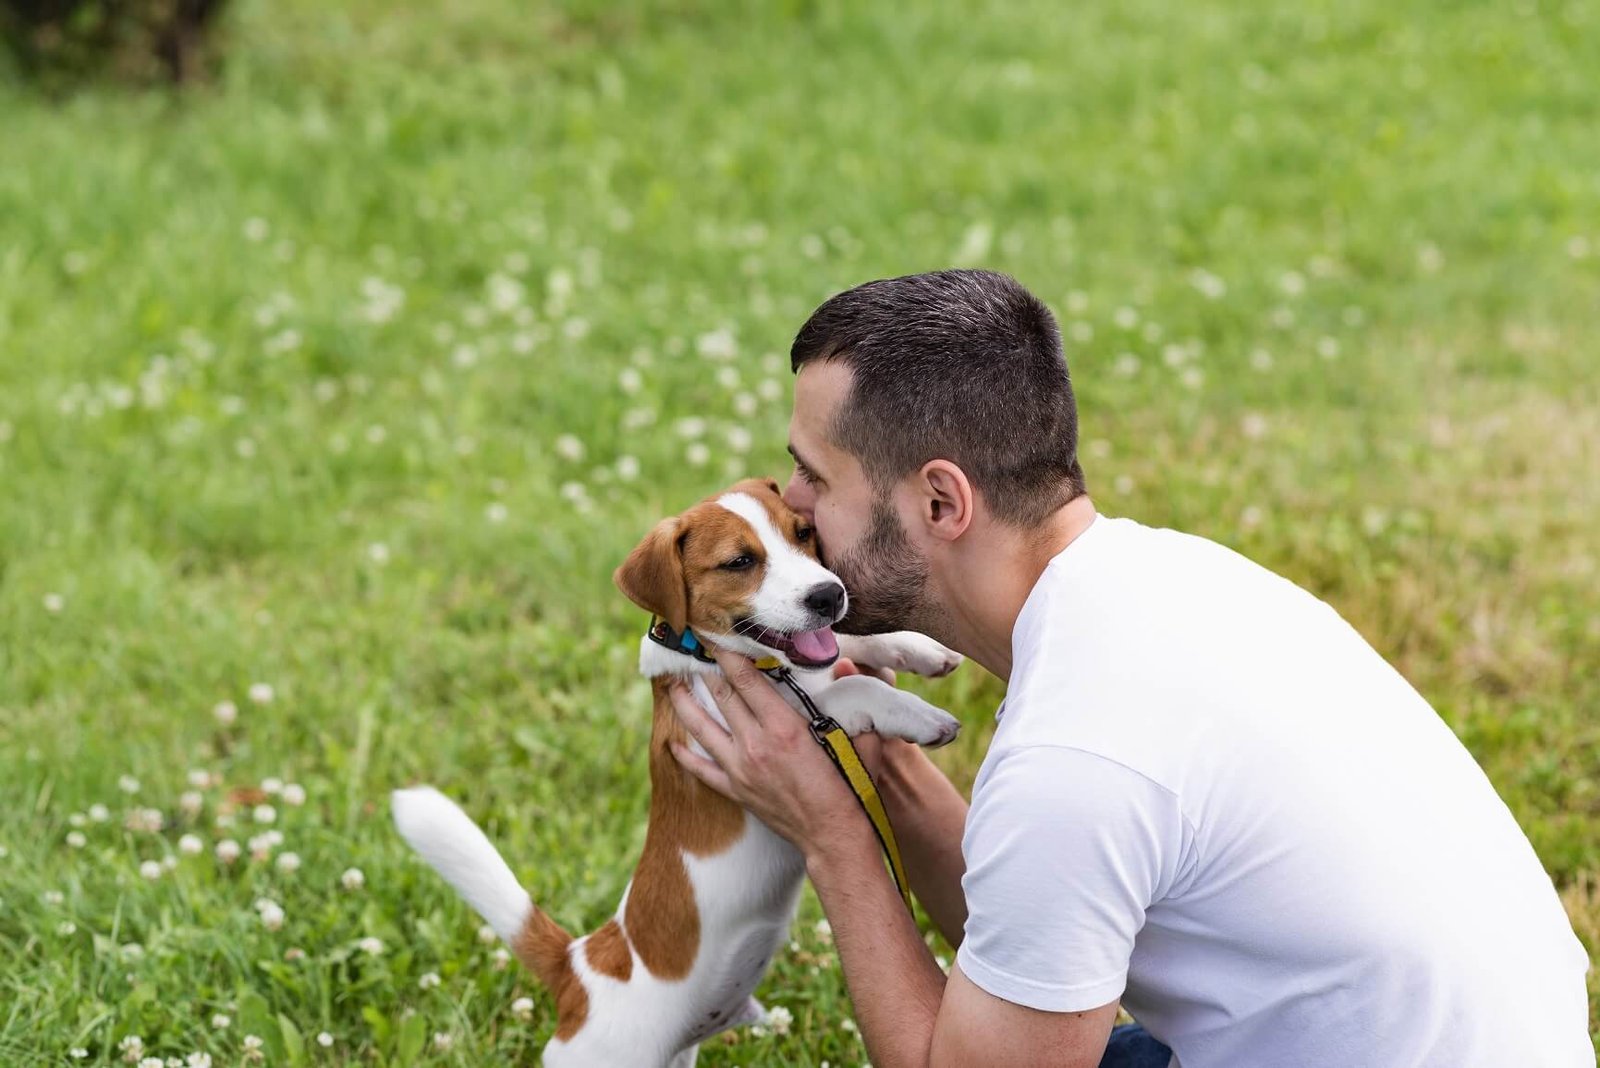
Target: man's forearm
895, 985
929, 816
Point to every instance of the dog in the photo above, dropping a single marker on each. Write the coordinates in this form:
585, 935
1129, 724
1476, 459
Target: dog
715, 891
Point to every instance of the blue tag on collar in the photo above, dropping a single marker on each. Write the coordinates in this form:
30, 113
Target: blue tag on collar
689, 643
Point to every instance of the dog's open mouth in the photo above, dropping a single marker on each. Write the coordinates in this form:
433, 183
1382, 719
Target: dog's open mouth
806, 648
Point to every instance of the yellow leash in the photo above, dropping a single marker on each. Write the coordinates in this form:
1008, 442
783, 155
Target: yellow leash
836, 743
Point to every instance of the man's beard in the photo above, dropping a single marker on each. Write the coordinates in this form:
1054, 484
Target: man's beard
885, 577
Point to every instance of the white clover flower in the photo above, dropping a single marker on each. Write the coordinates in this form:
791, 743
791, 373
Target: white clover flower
289, 863
770, 389
131, 1047
256, 229
486, 935
522, 1008
132, 951
370, 946
352, 879
1123, 484
54, 603
697, 453
568, 447
627, 468
443, 1040
190, 802
294, 794
66, 927
145, 820
324, 1039
150, 869
824, 930
225, 712
77, 1053
638, 418
128, 784
228, 851
155, 1062
264, 813
1126, 365
739, 439
198, 1060
1080, 331
1261, 359
500, 958
728, 377
778, 1019
99, 813
53, 897
574, 492
717, 345
1125, 317
376, 434
261, 692
429, 981
169, 863
1328, 348
76, 839
260, 847
272, 785
252, 1043
1192, 377
848, 1024
1253, 425
272, 916
630, 381
1250, 518
190, 845
1293, 283
745, 405
496, 512
220, 1021
199, 778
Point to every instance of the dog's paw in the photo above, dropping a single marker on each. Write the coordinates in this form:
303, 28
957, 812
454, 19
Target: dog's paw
917, 721
909, 651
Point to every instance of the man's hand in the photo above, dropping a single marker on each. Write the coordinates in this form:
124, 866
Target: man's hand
767, 761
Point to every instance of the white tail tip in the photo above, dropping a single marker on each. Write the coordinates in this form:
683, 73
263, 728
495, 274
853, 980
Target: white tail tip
457, 849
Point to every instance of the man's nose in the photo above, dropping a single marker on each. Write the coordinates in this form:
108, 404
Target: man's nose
798, 495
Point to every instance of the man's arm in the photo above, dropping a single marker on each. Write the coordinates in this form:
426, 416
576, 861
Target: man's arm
910, 1017
928, 815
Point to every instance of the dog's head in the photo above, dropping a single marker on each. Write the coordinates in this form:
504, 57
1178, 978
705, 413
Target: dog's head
740, 569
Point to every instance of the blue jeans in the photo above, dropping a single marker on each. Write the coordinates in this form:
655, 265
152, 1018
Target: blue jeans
1132, 1047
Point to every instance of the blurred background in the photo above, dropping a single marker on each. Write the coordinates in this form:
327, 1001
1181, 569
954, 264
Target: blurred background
345, 348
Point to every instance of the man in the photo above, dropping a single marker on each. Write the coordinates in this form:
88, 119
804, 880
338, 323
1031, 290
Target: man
1207, 799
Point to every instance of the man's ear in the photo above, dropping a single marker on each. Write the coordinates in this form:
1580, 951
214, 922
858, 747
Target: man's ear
947, 499
652, 575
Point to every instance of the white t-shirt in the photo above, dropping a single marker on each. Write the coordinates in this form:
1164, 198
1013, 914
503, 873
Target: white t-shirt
1207, 795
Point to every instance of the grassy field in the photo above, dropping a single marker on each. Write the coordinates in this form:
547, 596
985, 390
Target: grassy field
330, 395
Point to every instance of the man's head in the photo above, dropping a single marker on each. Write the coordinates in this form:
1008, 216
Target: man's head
914, 394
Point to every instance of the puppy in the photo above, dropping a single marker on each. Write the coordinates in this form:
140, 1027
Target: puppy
715, 891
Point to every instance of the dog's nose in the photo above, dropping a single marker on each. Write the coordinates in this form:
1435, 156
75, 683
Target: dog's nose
826, 599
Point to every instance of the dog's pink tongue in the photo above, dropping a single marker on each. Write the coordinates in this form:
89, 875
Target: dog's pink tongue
816, 645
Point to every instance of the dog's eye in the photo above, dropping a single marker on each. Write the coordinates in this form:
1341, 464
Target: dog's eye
742, 562
804, 533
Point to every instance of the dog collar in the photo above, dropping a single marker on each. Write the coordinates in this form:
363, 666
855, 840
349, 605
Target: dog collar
685, 643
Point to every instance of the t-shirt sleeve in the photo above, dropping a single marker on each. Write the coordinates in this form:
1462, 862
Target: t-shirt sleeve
1065, 851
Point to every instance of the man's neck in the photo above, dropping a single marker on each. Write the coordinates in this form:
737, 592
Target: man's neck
987, 585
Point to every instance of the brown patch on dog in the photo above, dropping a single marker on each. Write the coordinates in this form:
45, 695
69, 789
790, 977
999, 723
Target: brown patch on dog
785, 520
686, 816
608, 953
543, 947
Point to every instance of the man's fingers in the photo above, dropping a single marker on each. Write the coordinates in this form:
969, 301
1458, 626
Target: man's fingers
748, 680
707, 771
707, 731
741, 720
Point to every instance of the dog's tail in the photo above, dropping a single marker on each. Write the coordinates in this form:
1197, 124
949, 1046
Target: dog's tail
449, 840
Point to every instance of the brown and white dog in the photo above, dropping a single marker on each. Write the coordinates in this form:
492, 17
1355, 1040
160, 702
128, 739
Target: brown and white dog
715, 891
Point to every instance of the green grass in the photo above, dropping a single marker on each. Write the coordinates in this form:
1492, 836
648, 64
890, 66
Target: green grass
1328, 276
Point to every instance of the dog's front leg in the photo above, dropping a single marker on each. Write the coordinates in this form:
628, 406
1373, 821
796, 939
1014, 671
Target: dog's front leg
861, 703
902, 650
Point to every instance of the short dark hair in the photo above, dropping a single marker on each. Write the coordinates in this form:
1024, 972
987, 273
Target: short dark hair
964, 366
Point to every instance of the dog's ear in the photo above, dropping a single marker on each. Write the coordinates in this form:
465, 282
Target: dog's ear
652, 575
772, 484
